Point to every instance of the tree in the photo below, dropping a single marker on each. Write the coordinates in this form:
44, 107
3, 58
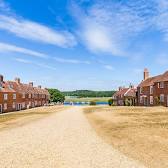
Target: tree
110, 102
56, 96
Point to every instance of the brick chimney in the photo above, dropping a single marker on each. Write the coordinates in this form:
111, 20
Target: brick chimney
146, 74
131, 86
39, 86
31, 84
1, 78
120, 88
17, 80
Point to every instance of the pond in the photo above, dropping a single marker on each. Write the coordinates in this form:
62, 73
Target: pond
83, 103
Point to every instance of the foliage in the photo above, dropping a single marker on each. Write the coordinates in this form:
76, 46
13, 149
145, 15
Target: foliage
89, 93
157, 100
110, 102
92, 103
56, 95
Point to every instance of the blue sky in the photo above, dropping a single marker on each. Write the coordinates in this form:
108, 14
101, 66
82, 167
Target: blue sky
83, 44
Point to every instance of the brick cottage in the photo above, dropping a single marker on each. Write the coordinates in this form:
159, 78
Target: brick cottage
125, 96
153, 91
15, 95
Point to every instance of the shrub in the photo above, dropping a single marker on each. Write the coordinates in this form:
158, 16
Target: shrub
92, 103
110, 102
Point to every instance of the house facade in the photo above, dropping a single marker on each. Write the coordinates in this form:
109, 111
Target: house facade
125, 96
15, 95
153, 91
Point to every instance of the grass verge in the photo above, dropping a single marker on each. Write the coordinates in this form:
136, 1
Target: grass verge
138, 132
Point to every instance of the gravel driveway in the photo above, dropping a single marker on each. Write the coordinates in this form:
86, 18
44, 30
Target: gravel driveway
62, 140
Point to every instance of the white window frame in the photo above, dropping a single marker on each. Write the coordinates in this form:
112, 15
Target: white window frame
14, 105
161, 85
5, 96
23, 104
151, 89
29, 95
162, 98
140, 90
14, 96
5, 106
151, 99
23, 95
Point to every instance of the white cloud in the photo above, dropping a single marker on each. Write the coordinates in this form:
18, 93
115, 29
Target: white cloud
70, 61
109, 26
108, 67
36, 32
25, 61
112, 26
4, 47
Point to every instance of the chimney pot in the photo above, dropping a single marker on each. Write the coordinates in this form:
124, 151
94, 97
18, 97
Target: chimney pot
146, 74
17, 80
1, 78
31, 84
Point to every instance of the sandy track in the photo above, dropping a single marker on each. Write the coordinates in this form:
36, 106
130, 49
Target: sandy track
62, 140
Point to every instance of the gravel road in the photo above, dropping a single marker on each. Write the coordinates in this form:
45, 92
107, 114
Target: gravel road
62, 140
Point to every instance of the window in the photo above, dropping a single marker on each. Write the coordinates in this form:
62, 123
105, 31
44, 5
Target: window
151, 89
23, 105
29, 96
161, 84
14, 105
151, 99
5, 96
141, 99
14, 96
5, 106
162, 98
23, 95
140, 90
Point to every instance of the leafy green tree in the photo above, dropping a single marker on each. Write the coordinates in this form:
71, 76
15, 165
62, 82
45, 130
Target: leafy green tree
110, 102
92, 103
56, 96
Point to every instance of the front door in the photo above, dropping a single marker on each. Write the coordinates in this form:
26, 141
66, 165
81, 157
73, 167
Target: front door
19, 107
0, 108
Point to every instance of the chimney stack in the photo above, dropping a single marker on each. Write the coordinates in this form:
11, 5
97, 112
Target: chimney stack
31, 84
17, 80
39, 86
120, 88
131, 86
1, 78
146, 74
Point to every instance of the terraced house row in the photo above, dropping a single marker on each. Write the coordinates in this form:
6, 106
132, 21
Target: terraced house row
15, 95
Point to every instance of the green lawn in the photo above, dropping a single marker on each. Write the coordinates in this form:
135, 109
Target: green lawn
96, 99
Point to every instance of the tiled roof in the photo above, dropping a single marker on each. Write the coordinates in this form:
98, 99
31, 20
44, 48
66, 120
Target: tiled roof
26, 88
150, 81
130, 92
5, 87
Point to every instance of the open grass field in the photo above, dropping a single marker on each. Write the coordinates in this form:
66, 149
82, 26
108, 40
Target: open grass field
139, 132
96, 99
19, 118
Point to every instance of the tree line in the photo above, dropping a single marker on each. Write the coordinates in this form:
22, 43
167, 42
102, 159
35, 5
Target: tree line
88, 93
